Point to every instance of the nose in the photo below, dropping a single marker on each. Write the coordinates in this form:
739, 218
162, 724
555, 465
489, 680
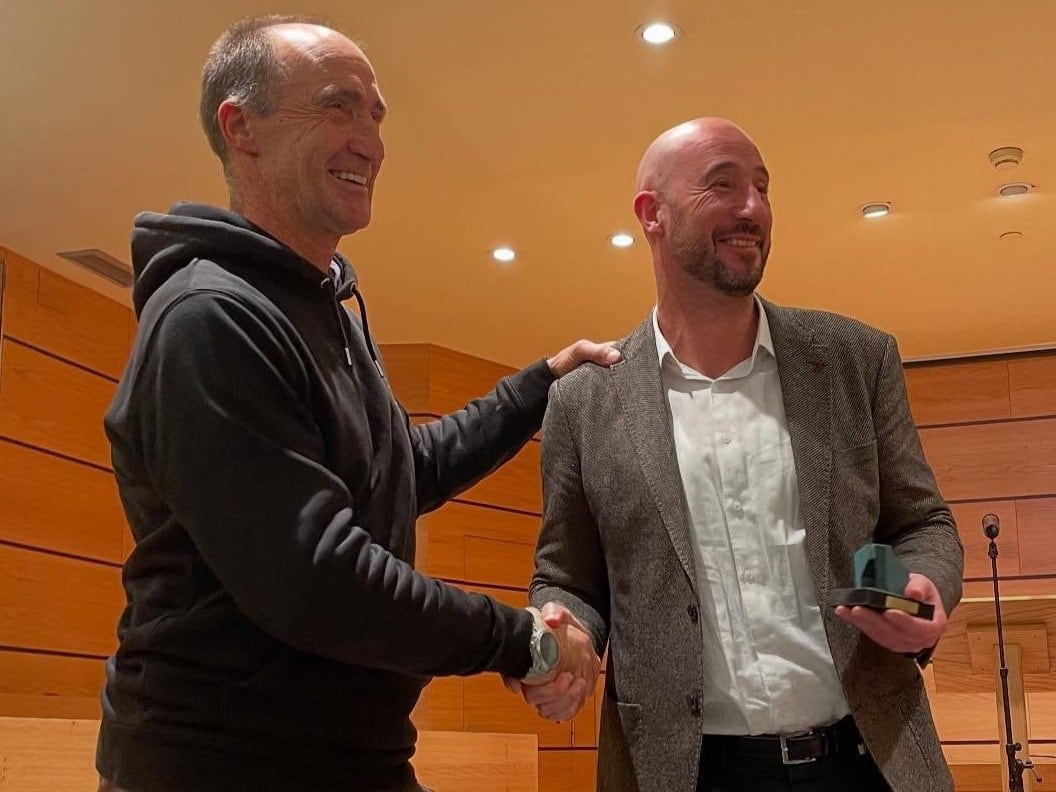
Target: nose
366, 141
755, 207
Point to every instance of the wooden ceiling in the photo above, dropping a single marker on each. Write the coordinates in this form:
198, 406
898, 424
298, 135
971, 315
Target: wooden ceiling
522, 123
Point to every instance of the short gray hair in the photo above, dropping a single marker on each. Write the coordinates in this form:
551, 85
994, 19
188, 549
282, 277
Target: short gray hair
242, 67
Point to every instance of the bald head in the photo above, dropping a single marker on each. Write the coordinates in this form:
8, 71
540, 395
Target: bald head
703, 202
671, 149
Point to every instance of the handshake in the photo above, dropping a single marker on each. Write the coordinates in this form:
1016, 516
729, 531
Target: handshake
559, 695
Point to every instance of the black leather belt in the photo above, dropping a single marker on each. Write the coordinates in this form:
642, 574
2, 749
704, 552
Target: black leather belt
791, 749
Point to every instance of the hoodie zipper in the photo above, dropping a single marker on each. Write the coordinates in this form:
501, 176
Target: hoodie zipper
328, 286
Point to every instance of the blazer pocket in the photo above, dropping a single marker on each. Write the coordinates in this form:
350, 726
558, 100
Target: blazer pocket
630, 721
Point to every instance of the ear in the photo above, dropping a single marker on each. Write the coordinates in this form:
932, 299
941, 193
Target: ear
647, 209
237, 128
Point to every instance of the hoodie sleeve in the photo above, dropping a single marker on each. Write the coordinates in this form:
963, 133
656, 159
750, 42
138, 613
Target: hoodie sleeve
231, 448
455, 452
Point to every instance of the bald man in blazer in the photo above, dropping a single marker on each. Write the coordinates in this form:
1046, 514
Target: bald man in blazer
704, 497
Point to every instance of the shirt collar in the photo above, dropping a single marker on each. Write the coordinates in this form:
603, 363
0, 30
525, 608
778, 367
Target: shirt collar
763, 341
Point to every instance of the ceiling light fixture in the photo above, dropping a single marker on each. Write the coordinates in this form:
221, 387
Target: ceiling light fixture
504, 254
1014, 188
657, 32
621, 240
1006, 157
876, 209
1010, 236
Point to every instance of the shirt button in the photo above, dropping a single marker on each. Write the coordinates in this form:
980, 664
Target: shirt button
726, 439
735, 507
693, 613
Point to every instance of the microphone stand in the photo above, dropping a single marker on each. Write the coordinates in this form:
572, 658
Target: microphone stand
1016, 766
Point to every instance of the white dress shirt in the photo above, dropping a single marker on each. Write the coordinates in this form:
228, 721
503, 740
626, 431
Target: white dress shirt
768, 666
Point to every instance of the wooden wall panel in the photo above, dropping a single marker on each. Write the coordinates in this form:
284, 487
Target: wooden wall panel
432, 379
455, 378
499, 562
1011, 587
1041, 710
516, 485
567, 771
57, 504
441, 705
48, 755
993, 460
1037, 536
47, 686
458, 762
969, 518
515, 598
3, 280
972, 754
957, 392
490, 707
52, 405
965, 716
1032, 382
57, 755
952, 664
442, 537
66, 319
53, 603
407, 369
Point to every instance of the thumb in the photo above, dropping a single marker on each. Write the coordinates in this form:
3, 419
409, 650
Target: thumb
557, 615
920, 588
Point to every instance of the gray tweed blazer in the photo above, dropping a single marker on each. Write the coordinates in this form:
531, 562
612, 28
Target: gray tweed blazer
615, 544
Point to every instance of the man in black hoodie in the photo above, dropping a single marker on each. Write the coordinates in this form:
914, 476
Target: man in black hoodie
276, 635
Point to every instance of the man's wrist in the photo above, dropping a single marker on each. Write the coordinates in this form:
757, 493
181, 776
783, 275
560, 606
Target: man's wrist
544, 651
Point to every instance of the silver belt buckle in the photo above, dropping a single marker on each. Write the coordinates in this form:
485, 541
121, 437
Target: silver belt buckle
783, 738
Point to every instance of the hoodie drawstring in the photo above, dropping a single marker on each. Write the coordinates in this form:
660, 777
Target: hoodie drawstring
328, 285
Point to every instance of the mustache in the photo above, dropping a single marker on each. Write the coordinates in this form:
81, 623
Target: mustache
744, 227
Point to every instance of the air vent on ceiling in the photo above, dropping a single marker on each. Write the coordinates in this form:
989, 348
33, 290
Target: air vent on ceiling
100, 263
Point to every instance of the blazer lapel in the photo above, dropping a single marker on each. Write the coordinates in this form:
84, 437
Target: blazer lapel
647, 417
804, 370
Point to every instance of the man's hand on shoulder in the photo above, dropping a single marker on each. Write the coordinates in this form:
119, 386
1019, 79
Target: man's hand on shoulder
583, 351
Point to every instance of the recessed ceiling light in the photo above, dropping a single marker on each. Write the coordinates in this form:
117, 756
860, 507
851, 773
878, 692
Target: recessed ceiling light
877, 209
1014, 188
1006, 157
1011, 236
657, 32
504, 254
621, 240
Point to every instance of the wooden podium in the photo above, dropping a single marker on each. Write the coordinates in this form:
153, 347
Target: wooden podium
965, 688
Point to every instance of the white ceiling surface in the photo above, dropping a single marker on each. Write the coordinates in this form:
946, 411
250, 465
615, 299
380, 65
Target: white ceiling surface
522, 123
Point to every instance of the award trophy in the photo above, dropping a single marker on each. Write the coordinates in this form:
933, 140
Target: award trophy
879, 583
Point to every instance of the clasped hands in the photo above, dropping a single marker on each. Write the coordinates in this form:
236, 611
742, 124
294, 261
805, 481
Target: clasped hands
577, 670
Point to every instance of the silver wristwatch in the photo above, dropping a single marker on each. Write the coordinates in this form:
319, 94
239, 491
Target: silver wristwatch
544, 649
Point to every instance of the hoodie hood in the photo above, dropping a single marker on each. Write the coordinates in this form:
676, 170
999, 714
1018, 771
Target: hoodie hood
163, 244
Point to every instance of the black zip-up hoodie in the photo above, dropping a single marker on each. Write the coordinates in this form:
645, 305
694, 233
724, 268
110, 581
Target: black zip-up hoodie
276, 635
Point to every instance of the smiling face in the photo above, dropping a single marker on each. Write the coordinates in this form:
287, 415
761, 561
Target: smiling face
316, 156
707, 188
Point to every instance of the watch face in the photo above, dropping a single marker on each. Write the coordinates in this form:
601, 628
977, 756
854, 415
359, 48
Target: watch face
548, 649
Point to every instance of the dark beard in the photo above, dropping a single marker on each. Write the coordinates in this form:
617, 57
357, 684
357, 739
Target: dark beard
699, 260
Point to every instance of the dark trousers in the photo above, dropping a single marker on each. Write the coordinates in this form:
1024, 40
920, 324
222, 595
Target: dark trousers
723, 770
